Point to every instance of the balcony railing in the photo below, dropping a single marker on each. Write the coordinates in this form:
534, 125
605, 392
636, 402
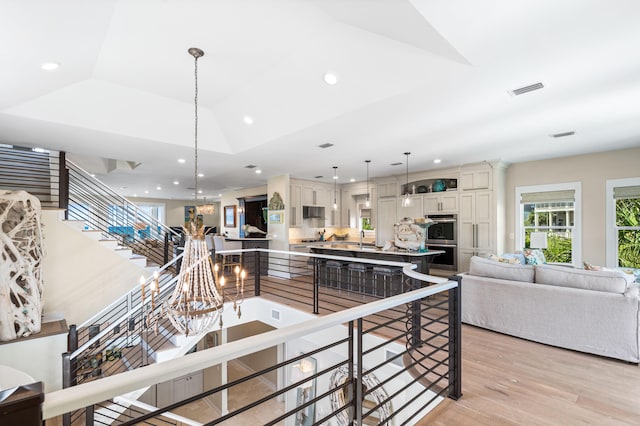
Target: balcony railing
402, 341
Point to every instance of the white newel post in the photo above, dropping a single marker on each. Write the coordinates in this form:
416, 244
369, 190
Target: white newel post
20, 265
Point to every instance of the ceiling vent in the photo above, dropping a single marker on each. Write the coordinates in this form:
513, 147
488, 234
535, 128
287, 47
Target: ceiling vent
395, 164
526, 89
563, 134
250, 166
325, 145
319, 177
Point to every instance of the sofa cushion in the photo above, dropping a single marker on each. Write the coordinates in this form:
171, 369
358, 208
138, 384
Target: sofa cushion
519, 256
564, 276
482, 267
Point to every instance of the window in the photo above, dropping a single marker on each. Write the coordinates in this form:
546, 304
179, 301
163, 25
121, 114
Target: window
551, 211
623, 223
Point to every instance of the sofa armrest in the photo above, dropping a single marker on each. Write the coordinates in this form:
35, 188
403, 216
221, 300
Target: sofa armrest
633, 291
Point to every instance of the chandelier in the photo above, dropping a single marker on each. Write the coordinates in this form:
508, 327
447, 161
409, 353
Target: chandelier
197, 301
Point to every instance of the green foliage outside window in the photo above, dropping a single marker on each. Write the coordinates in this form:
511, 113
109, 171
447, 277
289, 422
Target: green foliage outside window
628, 216
366, 224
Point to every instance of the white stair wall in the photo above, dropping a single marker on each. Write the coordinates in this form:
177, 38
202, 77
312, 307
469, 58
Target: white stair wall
81, 275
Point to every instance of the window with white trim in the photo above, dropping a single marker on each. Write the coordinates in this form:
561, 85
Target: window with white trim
552, 213
623, 223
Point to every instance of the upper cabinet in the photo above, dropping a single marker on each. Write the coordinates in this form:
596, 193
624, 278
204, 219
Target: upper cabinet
296, 205
441, 202
387, 189
475, 179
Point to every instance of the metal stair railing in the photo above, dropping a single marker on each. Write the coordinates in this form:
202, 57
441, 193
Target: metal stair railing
119, 332
101, 208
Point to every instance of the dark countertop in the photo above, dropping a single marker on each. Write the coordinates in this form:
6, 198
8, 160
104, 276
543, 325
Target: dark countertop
355, 248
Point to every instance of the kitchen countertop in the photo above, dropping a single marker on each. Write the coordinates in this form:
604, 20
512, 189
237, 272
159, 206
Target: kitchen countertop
356, 248
247, 239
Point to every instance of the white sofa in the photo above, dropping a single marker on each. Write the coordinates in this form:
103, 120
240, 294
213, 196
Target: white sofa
596, 312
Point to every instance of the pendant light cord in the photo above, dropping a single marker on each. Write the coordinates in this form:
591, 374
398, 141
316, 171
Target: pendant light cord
195, 102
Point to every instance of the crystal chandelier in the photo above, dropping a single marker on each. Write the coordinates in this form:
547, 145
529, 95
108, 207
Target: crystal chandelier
197, 301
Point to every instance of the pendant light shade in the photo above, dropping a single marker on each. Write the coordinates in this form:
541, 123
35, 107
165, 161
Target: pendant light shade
335, 187
406, 201
368, 202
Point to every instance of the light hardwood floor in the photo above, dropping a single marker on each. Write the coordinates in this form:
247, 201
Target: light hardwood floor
511, 381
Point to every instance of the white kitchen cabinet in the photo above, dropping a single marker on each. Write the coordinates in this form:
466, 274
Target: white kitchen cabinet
475, 179
295, 208
475, 225
441, 202
309, 196
179, 388
414, 210
387, 189
386, 218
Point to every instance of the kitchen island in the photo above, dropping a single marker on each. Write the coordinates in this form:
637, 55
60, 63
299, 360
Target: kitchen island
422, 259
248, 258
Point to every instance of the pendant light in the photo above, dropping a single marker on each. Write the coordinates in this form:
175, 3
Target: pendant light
406, 201
335, 188
368, 202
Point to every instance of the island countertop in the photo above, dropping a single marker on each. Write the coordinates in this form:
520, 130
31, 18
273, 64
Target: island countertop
423, 259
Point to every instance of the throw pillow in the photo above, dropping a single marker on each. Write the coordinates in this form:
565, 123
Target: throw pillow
518, 256
509, 260
534, 257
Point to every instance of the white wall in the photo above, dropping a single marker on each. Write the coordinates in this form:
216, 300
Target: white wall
80, 275
41, 358
174, 210
592, 170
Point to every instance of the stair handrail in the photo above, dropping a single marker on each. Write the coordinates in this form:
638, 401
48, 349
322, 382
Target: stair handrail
101, 208
107, 189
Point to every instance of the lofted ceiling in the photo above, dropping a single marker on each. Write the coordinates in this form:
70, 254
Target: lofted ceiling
427, 76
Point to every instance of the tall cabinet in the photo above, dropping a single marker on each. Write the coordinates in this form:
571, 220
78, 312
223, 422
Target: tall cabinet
481, 215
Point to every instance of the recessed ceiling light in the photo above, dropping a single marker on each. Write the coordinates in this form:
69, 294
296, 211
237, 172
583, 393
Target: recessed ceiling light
199, 191
135, 195
219, 195
258, 171
159, 188
175, 182
181, 160
437, 161
247, 120
146, 191
352, 180
200, 174
50, 66
335, 177
330, 78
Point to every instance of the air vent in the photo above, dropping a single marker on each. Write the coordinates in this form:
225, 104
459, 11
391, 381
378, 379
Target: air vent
395, 164
389, 355
526, 89
325, 145
250, 166
561, 135
275, 315
319, 177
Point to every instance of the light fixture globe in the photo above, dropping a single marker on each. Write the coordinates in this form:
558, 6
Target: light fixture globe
406, 201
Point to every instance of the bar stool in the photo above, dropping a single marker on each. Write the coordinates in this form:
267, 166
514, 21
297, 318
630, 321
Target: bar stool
334, 273
357, 276
390, 278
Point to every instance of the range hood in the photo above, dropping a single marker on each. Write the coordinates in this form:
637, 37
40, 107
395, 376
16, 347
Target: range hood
312, 212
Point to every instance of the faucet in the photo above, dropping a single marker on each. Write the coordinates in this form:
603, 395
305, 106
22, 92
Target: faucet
361, 237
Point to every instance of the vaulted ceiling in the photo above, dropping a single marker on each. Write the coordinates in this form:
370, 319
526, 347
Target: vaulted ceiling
427, 76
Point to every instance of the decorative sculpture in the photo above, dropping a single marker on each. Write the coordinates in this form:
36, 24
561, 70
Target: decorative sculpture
276, 202
20, 265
